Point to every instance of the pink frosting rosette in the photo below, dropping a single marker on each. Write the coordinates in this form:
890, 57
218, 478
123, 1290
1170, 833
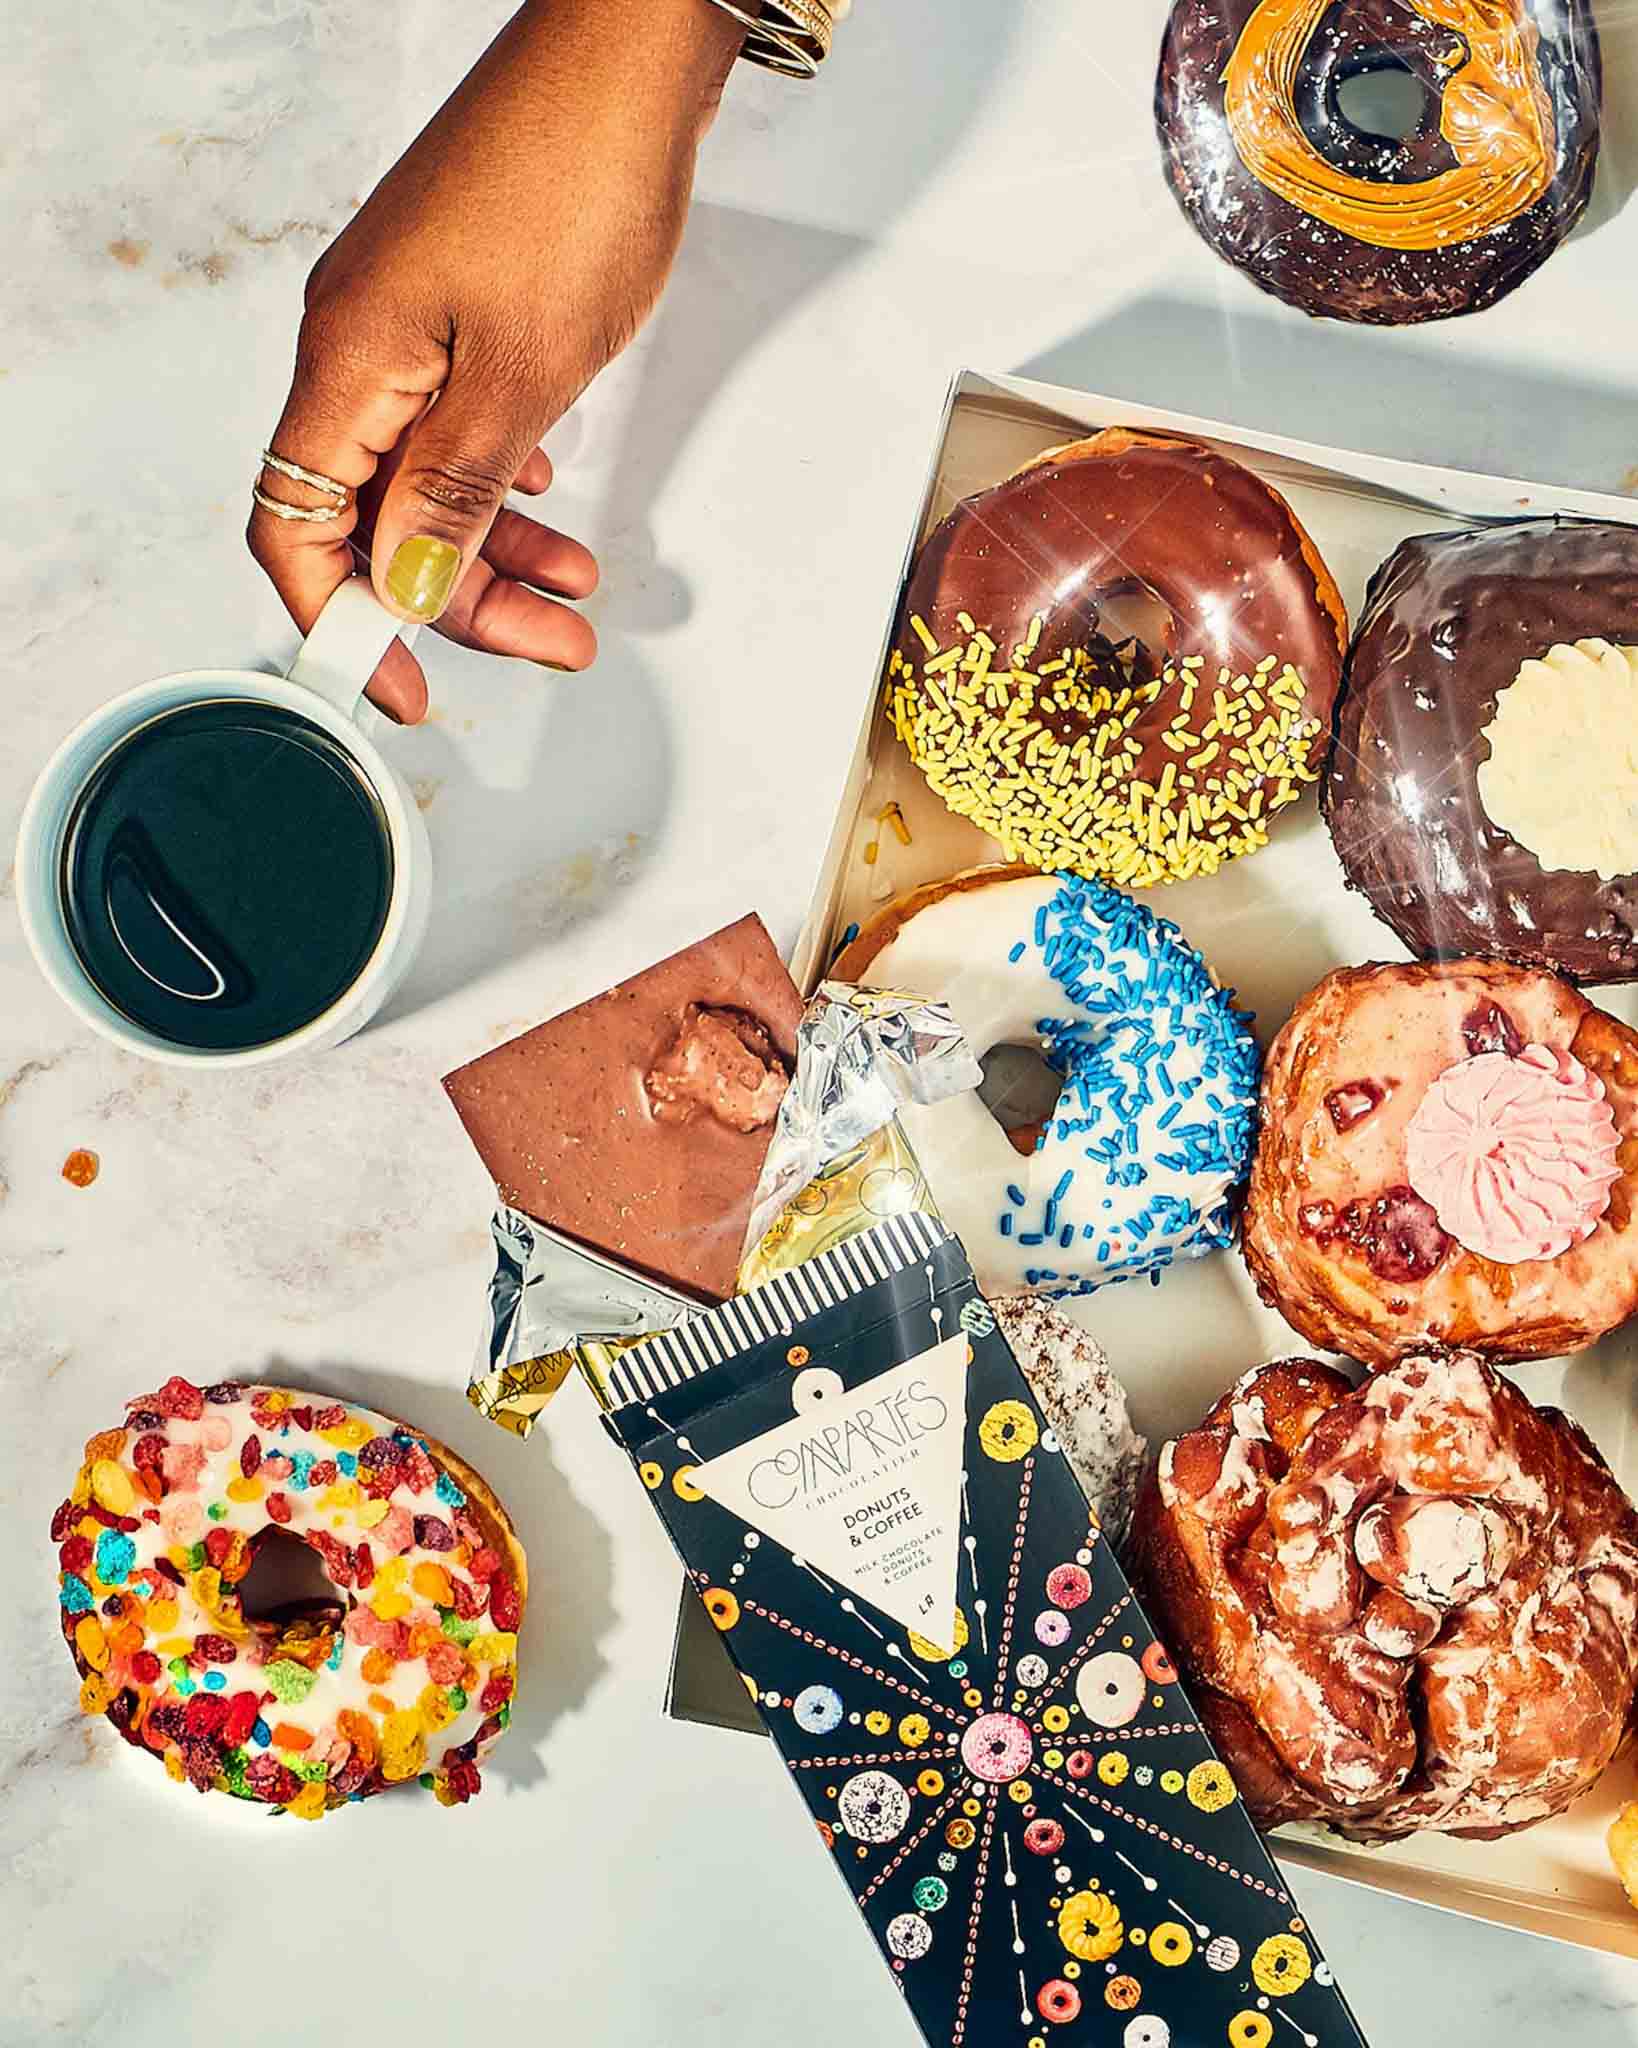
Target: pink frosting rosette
1515, 1155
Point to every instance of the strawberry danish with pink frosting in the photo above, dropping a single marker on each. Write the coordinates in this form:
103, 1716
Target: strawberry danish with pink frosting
1449, 1155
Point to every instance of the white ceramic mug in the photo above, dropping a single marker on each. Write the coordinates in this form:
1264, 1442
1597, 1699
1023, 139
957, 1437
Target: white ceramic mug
326, 685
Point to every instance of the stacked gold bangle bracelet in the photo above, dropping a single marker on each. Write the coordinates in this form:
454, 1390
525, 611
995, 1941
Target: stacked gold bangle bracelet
791, 36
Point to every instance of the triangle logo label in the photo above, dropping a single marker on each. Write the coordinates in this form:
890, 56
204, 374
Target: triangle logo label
865, 1484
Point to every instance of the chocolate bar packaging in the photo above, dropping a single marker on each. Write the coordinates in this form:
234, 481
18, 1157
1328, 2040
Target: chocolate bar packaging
822, 1159
995, 1749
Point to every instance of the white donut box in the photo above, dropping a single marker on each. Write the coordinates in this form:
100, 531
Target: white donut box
1270, 926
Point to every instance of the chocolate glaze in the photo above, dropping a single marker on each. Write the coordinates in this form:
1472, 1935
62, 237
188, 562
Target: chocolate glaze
1217, 549
562, 1116
1448, 620
1315, 266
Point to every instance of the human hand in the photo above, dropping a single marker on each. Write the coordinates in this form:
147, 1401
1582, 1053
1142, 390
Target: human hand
511, 252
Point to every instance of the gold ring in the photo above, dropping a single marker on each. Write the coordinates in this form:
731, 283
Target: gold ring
341, 493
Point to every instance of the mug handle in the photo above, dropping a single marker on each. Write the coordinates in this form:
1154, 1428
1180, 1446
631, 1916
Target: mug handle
349, 637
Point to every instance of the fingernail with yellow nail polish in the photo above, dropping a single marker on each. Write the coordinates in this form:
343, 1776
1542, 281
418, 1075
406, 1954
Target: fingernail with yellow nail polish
421, 575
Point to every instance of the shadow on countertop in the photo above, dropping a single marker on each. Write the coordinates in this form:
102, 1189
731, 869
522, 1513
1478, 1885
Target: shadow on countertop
1392, 392
571, 1560
1618, 142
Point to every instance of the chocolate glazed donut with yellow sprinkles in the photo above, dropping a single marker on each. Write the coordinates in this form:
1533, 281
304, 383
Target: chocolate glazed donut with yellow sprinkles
1121, 661
1346, 204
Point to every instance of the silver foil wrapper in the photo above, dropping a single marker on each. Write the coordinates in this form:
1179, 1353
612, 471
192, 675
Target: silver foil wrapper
861, 1054
553, 1305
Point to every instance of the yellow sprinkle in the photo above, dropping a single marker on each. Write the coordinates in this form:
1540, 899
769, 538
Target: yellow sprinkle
112, 1487
918, 626
351, 1435
895, 817
91, 1643
371, 1512
174, 1766
871, 852
391, 1606
309, 1802
174, 1646
242, 1489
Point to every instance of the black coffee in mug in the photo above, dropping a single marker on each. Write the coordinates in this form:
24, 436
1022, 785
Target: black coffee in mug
226, 874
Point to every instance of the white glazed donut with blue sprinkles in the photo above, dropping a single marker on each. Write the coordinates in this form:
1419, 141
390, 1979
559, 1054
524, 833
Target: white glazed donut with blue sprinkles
1146, 1152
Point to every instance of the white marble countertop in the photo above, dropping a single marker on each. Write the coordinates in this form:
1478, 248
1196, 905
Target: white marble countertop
967, 185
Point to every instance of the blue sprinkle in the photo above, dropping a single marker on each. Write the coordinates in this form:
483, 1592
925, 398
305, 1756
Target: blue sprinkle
848, 936
346, 1463
185, 1686
449, 1493
1168, 1117
1066, 1236
116, 1554
1030, 1237
1006, 1223
1015, 1195
301, 1463
215, 1680
1062, 1188
75, 1595
261, 1734
1016, 954
1050, 1226
333, 1661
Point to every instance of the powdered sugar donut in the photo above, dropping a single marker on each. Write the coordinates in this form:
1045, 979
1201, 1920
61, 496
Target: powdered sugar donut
1082, 1400
1141, 1157
874, 1807
403, 1669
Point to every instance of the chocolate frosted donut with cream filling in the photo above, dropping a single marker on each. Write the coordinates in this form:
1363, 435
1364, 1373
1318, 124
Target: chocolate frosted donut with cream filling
1119, 662
1482, 790
1399, 1608
1444, 215
1448, 1155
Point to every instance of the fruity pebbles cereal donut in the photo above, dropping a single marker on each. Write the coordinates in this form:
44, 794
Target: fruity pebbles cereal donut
403, 1668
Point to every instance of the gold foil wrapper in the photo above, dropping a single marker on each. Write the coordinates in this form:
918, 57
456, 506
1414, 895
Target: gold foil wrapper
876, 1178
514, 1395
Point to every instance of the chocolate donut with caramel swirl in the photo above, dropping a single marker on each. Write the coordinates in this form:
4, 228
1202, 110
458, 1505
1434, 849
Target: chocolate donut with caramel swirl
1121, 661
1446, 218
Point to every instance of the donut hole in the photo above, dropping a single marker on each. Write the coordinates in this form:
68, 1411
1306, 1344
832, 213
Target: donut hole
287, 1591
1139, 629
1020, 1088
1383, 100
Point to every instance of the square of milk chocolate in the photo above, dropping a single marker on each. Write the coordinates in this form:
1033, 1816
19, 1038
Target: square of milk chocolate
638, 1122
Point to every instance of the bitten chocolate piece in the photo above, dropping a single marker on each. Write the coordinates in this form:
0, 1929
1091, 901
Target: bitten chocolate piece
638, 1122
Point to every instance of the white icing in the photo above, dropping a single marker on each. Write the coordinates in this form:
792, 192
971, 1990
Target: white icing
1562, 776
219, 1436
958, 948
